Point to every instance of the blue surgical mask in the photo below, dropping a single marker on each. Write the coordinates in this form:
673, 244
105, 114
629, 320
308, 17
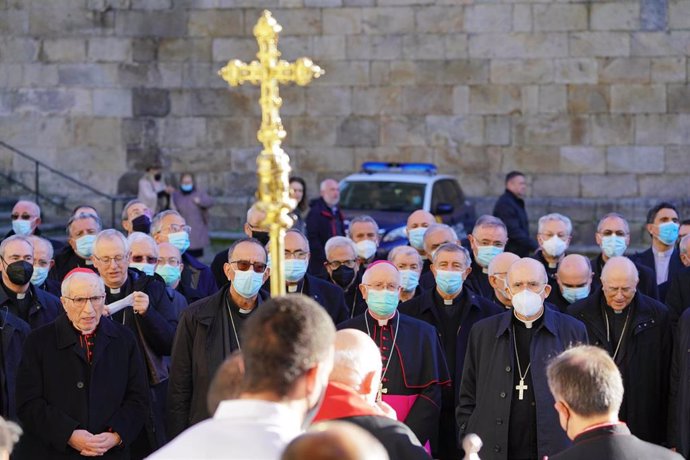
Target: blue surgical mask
169, 274
295, 269
247, 283
416, 237
410, 280
485, 254
382, 303
668, 233
21, 227
449, 282
613, 245
187, 187
180, 240
148, 269
572, 295
85, 245
39, 276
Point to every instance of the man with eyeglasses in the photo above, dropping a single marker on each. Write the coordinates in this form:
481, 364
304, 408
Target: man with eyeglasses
613, 236
504, 397
81, 385
635, 330
43, 263
169, 267
210, 330
487, 240
344, 270
26, 217
364, 232
151, 318
34, 306
553, 235
498, 270
170, 227
435, 236
414, 369
81, 232
452, 309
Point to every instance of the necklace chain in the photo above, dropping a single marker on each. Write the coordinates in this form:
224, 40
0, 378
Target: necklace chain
608, 331
517, 358
395, 337
232, 322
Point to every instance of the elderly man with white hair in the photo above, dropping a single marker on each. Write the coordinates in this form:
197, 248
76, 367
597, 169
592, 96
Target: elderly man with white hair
488, 239
408, 260
81, 385
414, 370
324, 221
554, 233
635, 330
343, 268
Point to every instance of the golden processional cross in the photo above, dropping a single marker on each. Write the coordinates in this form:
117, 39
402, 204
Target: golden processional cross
273, 164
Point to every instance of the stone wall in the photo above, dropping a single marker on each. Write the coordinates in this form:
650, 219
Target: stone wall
591, 99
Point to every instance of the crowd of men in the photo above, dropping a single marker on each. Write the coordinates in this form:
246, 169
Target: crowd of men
121, 344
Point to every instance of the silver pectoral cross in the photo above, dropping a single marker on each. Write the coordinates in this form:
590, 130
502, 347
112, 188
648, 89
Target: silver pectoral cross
521, 387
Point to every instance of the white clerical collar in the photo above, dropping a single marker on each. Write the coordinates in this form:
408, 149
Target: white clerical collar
21, 295
485, 270
528, 323
382, 322
291, 288
448, 301
245, 312
114, 290
88, 262
553, 264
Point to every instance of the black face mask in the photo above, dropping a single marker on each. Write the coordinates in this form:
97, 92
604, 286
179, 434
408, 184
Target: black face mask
141, 224
157, 176
261, 236
19, 272
343, 276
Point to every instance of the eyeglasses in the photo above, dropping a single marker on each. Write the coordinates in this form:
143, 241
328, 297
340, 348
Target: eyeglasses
106, 260
626, 290
174, 228
382, 286
81, 301
148, 259
299, 254
336, 264
172, 261
21, 216
243, 265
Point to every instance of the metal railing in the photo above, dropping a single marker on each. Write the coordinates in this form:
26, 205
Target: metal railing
39, 194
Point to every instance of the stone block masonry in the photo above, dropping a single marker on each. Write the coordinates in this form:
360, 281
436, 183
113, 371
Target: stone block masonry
590, 98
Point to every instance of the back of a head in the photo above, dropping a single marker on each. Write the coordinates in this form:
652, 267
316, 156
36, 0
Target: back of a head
282, 340
587, 379
356, 355
335, 441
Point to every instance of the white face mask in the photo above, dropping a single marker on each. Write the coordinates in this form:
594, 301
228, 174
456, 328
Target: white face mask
527, 303
366, 249
554, 246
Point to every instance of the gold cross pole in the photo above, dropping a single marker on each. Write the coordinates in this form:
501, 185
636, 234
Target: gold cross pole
273, 164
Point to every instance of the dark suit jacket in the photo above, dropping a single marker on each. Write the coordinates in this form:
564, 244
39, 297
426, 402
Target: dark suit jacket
13, 333
58, 391
321, 225
46, 307
647, 284
613, 442
326, 294
511, 210
678, 295
197, 276
217, 268
478, 281
679, 393
67, 260
675, 265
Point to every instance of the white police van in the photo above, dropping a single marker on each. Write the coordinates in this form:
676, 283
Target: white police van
389, 192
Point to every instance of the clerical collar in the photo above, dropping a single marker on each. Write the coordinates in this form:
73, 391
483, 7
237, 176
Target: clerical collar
292, 288
88, 262
530, 323
21, 295
553, 264
382, 322
485, 270
244, 312
114, 290
448, 301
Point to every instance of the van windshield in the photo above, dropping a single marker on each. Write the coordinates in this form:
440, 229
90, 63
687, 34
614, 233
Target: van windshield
382, 196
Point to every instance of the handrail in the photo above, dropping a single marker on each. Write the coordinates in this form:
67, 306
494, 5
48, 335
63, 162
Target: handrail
39, 164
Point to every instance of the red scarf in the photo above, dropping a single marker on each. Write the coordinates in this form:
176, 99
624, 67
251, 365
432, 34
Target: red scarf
342, 401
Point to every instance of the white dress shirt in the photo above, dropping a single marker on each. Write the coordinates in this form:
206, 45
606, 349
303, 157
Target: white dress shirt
240, 429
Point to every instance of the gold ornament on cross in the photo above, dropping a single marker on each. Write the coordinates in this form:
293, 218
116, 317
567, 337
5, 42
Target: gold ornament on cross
273, 164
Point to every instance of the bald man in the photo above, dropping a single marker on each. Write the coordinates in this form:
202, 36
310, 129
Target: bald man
324, 221
573, 282
504, 397
417, 224
498, 270
635, 330
414, 368
26, 217
352, 395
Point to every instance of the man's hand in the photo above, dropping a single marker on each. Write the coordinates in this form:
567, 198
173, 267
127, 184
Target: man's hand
140, 303
79, 441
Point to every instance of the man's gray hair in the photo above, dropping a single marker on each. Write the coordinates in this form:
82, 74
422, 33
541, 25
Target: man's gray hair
32, 204
554, 216
336, 242
135, 237
231, 250
67, 282
349, 361
254, 209
157, 220
433, 228
488, 221
405, 251
83, 216
367, 273
452, 247
587, 379
613, 215
129, 204
47, 245
684, 243
12, 238
362, 218
111, 234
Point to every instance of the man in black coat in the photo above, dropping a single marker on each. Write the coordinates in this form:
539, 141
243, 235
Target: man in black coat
81, 385
13, 333
453, 310
344, 271
635, 330
32, 305
436, 235
210, 331
488, 239
324, 221
573, 282
613, 236
43, 262
504, 396
510, 208
81, 233
678, 295
352, 392
588, 390
679, 393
